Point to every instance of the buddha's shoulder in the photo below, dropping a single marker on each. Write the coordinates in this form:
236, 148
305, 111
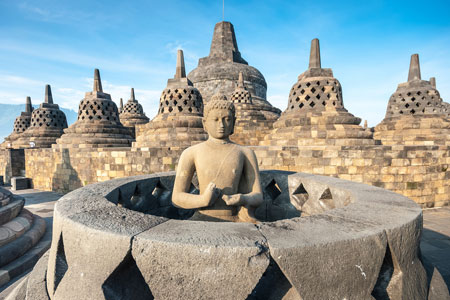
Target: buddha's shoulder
195, 149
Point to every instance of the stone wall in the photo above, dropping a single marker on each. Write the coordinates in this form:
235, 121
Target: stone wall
12, 163
419, 172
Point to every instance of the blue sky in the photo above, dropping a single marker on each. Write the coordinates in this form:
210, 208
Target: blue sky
367, 44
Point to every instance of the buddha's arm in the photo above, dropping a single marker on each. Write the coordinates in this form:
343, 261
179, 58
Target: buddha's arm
181, 196
251, 193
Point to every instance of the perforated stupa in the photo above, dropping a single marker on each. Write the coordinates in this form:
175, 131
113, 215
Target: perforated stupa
47, 124
21, 124
132, 114
316, 114
98, 123
415, 114
251, 124
179, 118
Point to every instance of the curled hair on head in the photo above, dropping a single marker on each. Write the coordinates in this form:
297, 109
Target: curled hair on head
218, 101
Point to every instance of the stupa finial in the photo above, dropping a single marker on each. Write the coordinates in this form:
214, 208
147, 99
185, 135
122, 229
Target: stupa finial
241, 80
132, 97
433, 81
414, 68
181, 70
28, 105
97, 82
48, 94
121, 104
314, 56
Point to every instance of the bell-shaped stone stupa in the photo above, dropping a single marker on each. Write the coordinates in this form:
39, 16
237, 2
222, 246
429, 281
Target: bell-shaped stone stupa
179, 119
315, 114
132, 114
415, 113
251, 124
47, 124
98, 123
219, 71
445, 105
21, 124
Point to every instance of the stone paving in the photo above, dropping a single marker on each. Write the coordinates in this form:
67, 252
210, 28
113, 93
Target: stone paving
435, 243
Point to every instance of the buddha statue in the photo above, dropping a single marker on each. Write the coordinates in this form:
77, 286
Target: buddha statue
227, 173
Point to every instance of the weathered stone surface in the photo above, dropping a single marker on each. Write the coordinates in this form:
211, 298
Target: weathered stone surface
19, 246
193, 260
16, 227
36, 287
21, 123
132, 114
19, 293
10, 211
20, 183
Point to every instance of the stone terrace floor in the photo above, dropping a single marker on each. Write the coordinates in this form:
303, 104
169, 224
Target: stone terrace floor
435, 244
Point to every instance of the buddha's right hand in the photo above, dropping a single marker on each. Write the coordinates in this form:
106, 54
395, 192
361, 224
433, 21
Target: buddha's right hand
211, 194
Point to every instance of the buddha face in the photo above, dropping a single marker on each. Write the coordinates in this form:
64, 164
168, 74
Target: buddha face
219, 123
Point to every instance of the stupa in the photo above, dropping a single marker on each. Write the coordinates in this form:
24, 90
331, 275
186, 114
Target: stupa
179, 119
415, 113
47, 124
251, 124
132, 114
21, 123
445, 105
219, 71
121, 106
98, 123
316, 114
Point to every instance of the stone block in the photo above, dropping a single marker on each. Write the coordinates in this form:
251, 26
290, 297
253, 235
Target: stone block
20, 183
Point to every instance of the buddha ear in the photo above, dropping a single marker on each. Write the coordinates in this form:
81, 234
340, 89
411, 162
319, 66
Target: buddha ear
234, 123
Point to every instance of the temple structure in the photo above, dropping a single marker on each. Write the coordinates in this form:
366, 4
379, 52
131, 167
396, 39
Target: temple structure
251, 123
415, 113
98, 123
445, 105
21, 124
179, 119
47, 124
132, 114
219, 71
315, 114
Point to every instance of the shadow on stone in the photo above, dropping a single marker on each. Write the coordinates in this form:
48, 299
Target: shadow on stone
126, 282
61, 262
65, 178
273, 285
380, 291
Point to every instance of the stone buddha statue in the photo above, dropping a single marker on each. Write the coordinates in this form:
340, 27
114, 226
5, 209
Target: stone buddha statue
228, 174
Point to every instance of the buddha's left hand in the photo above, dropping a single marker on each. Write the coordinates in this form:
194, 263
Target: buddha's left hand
235, 199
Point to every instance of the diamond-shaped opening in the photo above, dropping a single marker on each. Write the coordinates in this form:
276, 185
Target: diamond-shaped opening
313, 90
300, 105
126, 282
389, 273
413, 111
326, 200
312, 104
308, 84
323, 89
302, 91
299, 197
273, 285
406, 105
273, 190
307, 97
413, 99
60, 262
318, 96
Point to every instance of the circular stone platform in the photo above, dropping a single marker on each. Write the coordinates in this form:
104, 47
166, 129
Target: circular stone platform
357, 242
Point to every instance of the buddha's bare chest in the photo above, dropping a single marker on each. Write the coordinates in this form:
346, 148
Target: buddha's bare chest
222, 166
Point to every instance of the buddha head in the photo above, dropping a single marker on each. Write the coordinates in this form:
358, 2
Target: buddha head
219, 117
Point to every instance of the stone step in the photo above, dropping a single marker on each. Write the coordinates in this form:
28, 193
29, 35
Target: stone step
5, 197
26, 262
18, 247
16, 227
10, 211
